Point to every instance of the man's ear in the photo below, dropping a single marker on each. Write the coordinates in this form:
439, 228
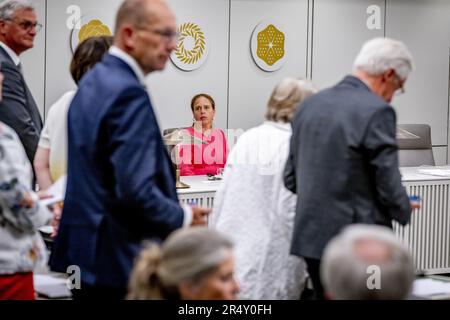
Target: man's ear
127, 35
2, 27
389, 75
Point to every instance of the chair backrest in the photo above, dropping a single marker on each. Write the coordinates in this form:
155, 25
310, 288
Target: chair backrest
418, 151
170, 130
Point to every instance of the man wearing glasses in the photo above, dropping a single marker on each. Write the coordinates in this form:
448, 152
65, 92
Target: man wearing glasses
18, 28
343, 161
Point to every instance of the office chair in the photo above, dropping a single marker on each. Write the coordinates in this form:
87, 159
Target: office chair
415, 149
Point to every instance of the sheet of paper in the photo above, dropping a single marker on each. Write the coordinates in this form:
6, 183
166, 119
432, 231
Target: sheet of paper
435, 172
57, 191
430, 287
404, 134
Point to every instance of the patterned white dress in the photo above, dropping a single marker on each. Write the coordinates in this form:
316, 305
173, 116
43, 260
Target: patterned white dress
254, 208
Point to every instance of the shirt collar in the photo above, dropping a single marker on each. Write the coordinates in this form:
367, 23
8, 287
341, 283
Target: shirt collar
14, 57
130, 61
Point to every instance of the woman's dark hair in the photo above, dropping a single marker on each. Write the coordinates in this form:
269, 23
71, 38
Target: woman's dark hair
204, 95
87, 54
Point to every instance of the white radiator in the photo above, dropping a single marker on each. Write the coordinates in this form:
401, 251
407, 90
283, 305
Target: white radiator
428, 234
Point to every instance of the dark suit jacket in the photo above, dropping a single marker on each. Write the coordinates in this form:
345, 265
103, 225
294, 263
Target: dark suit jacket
18, 108
121, 186
343, 165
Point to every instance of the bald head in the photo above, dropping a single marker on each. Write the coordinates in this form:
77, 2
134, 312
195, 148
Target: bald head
146, 30
137, 12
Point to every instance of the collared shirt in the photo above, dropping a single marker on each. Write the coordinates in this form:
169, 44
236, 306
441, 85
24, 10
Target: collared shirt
14, 57
130, 61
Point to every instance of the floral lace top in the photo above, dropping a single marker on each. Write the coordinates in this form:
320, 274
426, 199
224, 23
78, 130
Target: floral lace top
21, 246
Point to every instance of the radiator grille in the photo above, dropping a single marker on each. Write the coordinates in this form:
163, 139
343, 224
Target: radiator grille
428, 234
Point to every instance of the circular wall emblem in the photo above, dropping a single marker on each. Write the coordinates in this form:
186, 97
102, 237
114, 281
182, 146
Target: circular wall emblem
268, 46
93, 28
192, 48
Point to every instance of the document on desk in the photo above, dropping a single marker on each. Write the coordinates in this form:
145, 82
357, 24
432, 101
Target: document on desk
440, 172
57, 191
430, 287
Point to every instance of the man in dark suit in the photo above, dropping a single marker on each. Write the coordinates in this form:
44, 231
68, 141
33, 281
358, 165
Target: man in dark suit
121, 186
18, 28
343, 161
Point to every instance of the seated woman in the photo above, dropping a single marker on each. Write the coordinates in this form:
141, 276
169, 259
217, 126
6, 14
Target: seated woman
193, 264
206, 158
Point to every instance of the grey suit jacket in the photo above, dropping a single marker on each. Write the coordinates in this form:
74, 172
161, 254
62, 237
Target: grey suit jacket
343, 165
18, 108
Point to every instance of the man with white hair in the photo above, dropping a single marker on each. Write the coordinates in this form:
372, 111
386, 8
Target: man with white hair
343, 161
18, 28
366, 262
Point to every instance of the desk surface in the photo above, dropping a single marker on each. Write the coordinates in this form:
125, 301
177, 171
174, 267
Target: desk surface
411, 174
200, 184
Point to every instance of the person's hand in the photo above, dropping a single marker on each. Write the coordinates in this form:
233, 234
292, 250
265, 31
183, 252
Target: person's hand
199, 216
415, 204
57, 211
26, 201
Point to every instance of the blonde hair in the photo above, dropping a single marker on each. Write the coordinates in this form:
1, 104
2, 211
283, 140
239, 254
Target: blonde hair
187, 255
285, 98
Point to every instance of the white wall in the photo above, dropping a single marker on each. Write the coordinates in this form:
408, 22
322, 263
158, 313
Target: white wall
325, 52
424, 26
250, 87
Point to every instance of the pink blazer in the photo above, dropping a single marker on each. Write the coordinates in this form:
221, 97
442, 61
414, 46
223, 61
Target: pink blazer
206, 158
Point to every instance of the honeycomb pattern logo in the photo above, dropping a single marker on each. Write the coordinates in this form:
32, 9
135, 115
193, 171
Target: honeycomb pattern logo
270, 46
92, 29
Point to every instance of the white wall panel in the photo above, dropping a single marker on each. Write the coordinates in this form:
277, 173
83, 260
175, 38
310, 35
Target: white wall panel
424, 26
59, 54
250, 87
339, 30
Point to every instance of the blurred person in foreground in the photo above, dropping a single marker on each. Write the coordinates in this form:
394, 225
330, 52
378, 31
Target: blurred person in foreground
367, 262
253, 207
343, 158
120, 182
21, 246
192, 264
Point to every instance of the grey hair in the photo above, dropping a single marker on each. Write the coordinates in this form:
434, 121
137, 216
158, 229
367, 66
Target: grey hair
186, 256
381, 54
345, 273
285, 98
8, 7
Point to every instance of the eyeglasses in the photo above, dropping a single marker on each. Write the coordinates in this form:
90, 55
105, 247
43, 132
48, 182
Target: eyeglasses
28, 25
167, 35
